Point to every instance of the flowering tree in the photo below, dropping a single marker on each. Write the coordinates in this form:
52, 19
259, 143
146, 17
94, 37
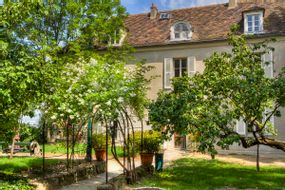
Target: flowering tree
40, 40
234, 87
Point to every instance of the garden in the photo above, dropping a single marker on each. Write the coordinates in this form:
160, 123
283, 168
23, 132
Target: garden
56, 59
200, 174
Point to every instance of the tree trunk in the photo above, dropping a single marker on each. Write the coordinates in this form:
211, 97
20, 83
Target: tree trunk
257, 158
249, 142
12, 146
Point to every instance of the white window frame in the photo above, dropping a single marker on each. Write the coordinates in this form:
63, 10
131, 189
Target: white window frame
168, 70
118, 42
260, 13
172, 32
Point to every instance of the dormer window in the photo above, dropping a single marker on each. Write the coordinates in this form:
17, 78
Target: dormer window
164, 16
181, 31
118, 38
253, 22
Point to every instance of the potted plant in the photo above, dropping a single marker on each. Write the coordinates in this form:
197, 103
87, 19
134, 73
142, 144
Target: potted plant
148, 146
99, 145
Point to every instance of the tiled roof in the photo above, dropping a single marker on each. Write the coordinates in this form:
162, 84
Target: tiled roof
209, 23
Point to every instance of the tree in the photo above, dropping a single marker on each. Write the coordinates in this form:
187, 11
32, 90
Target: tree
233, 87
39, 39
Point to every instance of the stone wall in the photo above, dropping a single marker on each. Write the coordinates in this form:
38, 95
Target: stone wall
81, 172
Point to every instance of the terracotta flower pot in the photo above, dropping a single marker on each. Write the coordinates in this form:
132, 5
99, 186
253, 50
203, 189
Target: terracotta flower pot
100, 154
146, 159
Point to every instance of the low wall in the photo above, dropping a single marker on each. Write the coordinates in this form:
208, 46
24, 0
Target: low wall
120, 182
81, 172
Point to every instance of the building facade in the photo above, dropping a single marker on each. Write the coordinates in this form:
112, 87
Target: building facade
177, 41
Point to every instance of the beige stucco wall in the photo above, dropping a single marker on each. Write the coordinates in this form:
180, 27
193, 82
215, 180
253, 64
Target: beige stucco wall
154, 56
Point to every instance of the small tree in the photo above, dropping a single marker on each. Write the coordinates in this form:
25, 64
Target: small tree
233, 87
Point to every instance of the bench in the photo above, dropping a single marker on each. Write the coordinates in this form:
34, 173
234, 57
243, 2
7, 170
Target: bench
27, 147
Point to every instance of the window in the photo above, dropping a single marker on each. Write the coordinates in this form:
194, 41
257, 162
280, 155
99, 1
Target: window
164, 16
118, 38
253, 22
181, 31
177, 67
180, 67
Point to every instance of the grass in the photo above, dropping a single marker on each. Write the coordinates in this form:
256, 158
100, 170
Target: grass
200, 174
18, 164
79, 148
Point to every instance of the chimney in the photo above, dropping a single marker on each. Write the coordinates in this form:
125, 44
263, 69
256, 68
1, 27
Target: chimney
233, 4
153, 11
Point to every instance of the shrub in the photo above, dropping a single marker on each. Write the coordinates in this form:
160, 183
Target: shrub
151, 141
99, 141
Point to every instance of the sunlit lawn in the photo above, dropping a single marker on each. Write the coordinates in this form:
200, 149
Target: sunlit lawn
18, 164
78, 149
200, 174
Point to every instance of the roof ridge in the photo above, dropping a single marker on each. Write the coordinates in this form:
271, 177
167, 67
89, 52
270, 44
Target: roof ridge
200, 6
177, 9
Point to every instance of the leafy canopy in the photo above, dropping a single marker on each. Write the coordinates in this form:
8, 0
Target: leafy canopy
233, 86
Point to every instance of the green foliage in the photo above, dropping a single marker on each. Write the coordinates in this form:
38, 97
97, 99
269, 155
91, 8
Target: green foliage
99, 141
152, 141
202, 174
232, 87
45, 47
22, 185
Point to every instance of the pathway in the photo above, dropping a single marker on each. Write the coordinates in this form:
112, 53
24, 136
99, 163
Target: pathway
115, 169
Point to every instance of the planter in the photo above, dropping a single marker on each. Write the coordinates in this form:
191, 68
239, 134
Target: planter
100, 154
146, 159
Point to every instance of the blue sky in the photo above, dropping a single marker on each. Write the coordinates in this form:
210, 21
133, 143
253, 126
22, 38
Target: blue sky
142, 6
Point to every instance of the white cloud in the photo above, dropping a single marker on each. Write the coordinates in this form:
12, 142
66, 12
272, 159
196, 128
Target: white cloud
174, 4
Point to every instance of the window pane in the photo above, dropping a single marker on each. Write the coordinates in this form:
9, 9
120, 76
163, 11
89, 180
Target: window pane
177, 73
249, 18
184, 67
177, 67
250, 28
176, 63
185, 28
177, 35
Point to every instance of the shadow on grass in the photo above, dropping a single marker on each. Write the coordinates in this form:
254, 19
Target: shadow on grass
204, 174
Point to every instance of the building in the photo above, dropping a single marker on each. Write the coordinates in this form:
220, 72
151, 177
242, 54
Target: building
176, 41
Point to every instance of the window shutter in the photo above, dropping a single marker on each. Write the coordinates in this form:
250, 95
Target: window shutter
267, 64
168, 72
191, 66
241, 127
271, 120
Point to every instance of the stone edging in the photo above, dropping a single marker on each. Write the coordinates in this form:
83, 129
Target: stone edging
84, 171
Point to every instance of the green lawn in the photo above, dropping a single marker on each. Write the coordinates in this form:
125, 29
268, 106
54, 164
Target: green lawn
18, 164
79, 148
199, 174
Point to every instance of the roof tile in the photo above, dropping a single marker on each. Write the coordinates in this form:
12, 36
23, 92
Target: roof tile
208, 23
